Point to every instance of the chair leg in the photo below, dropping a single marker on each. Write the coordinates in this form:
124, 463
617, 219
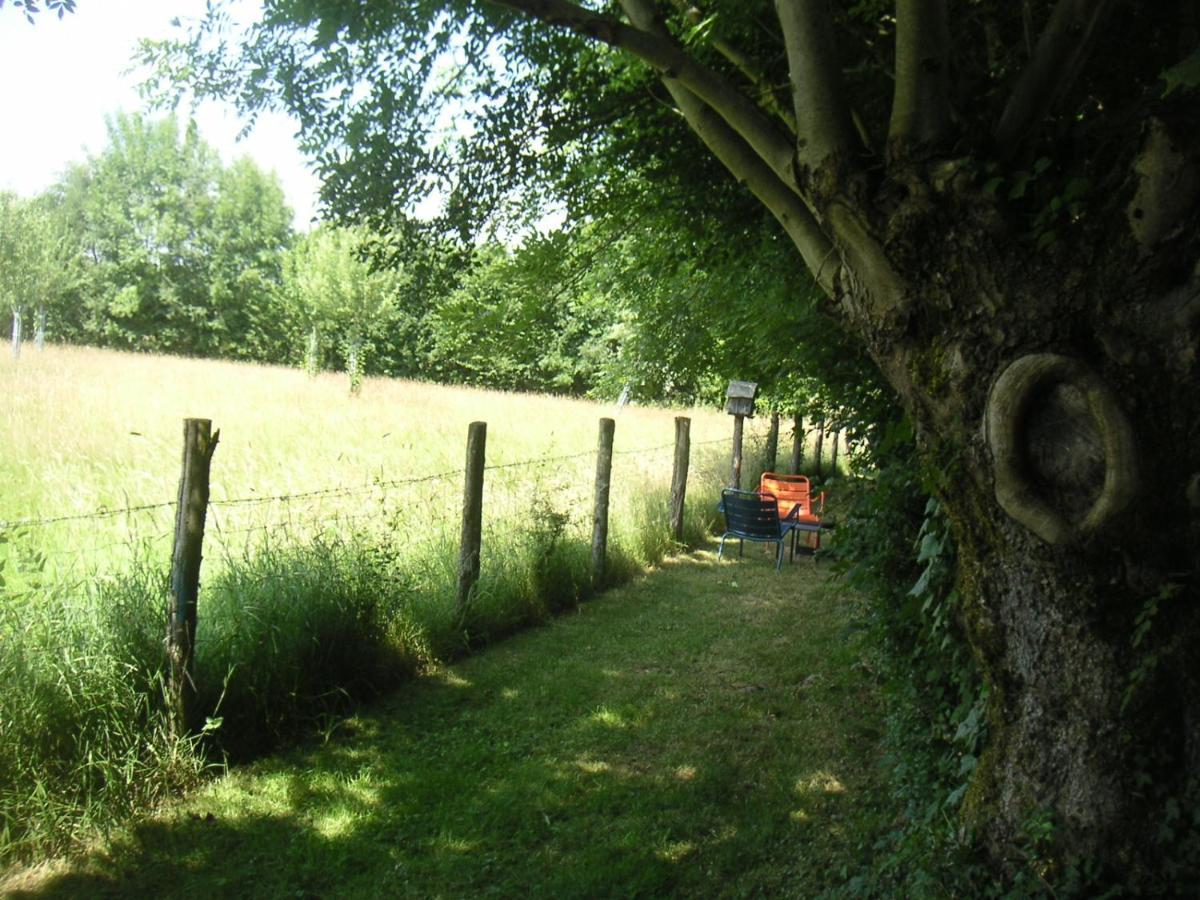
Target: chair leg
721, 549
779, 555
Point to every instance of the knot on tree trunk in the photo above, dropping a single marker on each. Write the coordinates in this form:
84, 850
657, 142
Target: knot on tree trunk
1063, 450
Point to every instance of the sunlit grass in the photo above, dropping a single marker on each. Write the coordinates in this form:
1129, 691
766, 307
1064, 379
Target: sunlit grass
676, 737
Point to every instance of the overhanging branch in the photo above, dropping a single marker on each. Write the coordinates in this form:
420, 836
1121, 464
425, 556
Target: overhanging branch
665, 56
744, 64
1062, 51
747, 166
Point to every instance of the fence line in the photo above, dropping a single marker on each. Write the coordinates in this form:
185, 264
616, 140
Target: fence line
336, 491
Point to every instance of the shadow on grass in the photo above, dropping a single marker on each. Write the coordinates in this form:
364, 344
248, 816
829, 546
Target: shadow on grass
705, 731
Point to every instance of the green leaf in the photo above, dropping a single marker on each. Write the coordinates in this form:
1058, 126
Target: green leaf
1184, 75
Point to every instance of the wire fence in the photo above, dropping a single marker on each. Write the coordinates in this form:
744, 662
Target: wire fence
241, 524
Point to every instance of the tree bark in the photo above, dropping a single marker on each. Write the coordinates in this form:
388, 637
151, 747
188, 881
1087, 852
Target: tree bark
1056, 400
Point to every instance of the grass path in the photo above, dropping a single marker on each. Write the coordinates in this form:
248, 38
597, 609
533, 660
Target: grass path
704, 731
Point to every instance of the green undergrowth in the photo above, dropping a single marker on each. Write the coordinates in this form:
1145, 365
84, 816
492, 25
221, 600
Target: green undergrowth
290, 637
895, 545
708, 730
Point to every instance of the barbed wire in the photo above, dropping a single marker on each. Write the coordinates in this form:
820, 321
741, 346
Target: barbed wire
336, 491
102, 513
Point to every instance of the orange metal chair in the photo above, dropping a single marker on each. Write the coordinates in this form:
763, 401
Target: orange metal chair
794, 495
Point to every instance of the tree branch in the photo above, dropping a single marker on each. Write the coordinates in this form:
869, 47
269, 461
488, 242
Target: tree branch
746, 166
780, 199
662, 54
744, 64
825, 130
1062, 51
920, 104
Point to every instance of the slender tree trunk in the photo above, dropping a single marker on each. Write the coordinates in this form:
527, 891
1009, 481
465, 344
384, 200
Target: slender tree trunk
820, 445
40, 334
312, 351
772, 451
797, 445
354, 360
16, 333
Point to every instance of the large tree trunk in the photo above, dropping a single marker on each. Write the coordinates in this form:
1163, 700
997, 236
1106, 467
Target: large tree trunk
1057, 401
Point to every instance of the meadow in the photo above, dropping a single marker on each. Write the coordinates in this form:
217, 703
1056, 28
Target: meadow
330, 556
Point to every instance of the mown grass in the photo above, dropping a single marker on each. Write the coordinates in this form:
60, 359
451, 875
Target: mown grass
709, 730
307, 605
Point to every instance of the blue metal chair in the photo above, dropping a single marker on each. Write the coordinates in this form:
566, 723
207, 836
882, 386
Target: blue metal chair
753, 516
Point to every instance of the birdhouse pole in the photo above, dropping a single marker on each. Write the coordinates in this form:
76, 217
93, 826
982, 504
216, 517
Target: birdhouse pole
739, 402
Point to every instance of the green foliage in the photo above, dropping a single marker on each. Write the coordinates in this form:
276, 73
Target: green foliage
175, 252
1184, 76
37, 263
31, 8
329, 287
897, 546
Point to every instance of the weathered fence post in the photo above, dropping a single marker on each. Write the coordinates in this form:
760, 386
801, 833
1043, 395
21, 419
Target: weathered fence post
472, 522
679, 475
199, 444
600, 516
797, 444
772, 453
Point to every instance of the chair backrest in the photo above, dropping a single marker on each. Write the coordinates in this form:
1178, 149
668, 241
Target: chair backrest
750, 513
789, 490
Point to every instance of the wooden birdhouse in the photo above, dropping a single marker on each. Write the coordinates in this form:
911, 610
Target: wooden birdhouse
739, 398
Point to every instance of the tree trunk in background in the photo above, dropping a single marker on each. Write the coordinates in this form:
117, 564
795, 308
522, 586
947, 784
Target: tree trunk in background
772, 450
40, 334
833, 455
16, 334
797, 445
312, 350
820, 446
354, 361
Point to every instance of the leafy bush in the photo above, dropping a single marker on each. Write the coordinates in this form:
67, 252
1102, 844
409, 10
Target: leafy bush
895, 544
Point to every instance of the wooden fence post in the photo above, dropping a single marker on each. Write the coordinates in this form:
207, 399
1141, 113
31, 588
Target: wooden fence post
735, 476
600, 515
199, 444
679, 475
772, 453
797, 444
472, 521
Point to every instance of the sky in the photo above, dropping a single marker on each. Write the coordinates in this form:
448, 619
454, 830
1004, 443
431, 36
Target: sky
60, 78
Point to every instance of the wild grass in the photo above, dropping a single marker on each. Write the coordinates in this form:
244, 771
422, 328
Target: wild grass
329, 560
